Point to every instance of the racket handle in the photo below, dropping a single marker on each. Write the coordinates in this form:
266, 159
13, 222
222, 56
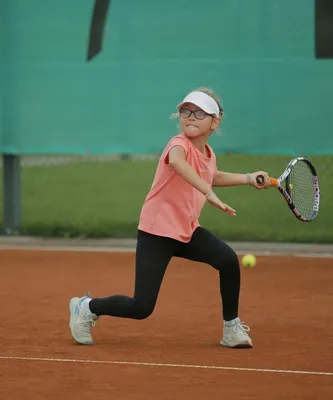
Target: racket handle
261, 180
274, 182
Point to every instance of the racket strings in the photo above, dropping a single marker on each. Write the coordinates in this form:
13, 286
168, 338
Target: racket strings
302, 189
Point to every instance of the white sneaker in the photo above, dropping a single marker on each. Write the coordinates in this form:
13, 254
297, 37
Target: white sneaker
236, 336
81, 320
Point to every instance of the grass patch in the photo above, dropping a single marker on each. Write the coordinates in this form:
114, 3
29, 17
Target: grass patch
103, 199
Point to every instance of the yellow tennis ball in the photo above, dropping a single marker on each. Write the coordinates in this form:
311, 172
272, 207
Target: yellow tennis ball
249, 261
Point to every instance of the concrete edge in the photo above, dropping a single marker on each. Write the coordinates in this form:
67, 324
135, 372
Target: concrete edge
128, 245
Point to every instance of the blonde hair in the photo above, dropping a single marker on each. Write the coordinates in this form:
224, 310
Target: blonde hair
210, 93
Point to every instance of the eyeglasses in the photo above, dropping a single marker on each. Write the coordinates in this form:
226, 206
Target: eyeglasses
198, 114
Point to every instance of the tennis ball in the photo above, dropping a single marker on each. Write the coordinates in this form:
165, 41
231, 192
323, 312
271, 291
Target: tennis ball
249, 261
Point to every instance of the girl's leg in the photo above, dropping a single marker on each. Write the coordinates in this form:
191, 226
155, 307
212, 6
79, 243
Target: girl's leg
153, 255
207, 248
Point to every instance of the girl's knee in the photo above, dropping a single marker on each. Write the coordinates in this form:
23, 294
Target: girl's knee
228, 262
143, 311
234, 258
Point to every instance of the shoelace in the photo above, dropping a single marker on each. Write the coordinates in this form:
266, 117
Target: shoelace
88, 322
240, 328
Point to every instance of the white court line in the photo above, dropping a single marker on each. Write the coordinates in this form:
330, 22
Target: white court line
151, 364
132, 250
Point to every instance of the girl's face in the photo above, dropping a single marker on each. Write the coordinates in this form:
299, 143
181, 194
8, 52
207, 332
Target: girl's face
195, 122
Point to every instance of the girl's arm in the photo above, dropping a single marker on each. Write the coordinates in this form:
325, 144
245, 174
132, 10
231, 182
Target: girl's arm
230, 179
177, 161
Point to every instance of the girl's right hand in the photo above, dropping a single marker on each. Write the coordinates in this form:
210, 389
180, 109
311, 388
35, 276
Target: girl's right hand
216, 202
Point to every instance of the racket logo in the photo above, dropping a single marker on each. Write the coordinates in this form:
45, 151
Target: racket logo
260, 180
316, 196
285, 174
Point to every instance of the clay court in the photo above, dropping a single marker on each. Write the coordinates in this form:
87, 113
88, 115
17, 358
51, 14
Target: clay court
175, 354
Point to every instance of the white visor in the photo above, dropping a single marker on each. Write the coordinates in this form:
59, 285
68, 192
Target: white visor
203, 101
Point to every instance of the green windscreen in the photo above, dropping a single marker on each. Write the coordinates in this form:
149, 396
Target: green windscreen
257, 55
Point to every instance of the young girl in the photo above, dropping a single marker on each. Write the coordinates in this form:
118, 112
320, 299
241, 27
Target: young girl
169, 226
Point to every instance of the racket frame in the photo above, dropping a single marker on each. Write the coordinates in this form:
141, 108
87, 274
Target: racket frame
286, 192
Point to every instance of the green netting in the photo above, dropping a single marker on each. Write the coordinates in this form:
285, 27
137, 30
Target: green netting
257, 54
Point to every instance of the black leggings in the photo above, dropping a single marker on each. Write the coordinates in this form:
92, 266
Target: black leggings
153, 255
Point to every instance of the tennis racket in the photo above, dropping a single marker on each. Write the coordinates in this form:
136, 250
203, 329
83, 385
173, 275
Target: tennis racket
301, 188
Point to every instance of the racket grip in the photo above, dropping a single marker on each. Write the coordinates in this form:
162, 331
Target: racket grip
261, 180
274, 182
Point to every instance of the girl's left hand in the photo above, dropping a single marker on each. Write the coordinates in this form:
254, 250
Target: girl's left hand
267, 182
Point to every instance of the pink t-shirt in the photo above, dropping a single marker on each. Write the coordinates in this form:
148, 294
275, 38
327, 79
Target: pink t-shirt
173, 206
